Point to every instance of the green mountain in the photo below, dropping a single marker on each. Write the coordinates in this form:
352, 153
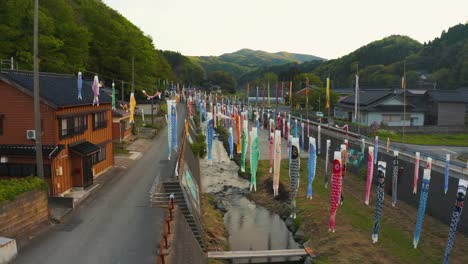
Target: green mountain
372, 61
442, 62
240, 62
84, 35
184, 68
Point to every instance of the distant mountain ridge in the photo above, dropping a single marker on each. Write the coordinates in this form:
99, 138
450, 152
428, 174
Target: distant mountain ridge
242, 61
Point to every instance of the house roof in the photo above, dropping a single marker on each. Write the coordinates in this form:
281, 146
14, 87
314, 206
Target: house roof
366, 97
57, 90
84, 148
448, 96
29, 150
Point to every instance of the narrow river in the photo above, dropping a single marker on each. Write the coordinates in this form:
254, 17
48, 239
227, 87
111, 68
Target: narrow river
250, 226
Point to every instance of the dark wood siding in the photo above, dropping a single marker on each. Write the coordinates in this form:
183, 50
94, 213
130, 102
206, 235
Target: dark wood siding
451, 114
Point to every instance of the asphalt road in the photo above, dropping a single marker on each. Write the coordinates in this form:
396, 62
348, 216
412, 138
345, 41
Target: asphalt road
116, 223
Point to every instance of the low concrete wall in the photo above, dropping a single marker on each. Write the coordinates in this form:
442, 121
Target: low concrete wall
8, 250
185, 248
22, 215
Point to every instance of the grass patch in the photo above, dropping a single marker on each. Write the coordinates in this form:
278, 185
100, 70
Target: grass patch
11, 188
213, 224
352, 241
119, 148
199, 146
457, 140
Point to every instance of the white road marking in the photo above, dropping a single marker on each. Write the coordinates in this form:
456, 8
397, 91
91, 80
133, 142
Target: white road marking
449, 151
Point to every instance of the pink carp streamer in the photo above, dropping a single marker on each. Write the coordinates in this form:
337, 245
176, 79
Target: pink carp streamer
335, 191
276, 167
416, 173
370, 173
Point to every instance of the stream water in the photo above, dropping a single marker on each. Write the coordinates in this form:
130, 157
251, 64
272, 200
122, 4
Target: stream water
250, 226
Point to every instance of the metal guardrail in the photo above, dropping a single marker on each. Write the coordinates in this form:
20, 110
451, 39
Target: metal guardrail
460, 170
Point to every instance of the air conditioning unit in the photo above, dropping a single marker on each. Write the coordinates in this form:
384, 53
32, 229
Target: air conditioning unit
31, 134
59, 171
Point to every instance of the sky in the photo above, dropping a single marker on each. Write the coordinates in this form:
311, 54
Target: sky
325, 28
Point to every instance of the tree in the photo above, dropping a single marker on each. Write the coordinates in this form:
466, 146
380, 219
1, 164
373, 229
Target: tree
224, 80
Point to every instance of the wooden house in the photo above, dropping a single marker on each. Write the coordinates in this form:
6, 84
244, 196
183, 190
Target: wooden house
76, 135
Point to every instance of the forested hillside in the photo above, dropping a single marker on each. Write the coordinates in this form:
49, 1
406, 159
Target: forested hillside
80, 35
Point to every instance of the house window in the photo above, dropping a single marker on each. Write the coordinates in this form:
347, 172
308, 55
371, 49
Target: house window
392, 117
22, 170
99, 120
71, 126
100, 155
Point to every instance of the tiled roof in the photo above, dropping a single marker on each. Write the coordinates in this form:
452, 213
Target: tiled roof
448, 96
367, 97
29, 150
60, 90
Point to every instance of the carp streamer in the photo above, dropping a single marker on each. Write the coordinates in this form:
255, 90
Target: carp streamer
254, 156
395, 178
294, 175
276, 169
311, 165
335, 190
381, 170
370, 173
456, 213
422, 206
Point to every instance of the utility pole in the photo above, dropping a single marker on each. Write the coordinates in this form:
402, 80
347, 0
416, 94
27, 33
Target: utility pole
122, 91
133, 74
403, 83
37, 106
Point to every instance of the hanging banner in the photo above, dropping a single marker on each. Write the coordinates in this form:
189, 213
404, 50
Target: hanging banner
277, 165
319, 140
311, 165
96, 90
80, 85
169, 123
271, 141
231, 144
210, 135
254, 156
113, 96
456, 213
422, 206
335, 190
370, 173
302, 136
245, 141
238, 133
416, 172
395, 178
174, 126
381, 171
376, 149
132, 108
294, 173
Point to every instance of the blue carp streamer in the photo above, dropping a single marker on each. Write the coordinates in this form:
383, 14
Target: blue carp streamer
174, 126
422, 206
210, 128
457, 210
231, 143
311, 165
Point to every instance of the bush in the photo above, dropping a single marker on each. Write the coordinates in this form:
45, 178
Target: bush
163, 109
199, 146
11, 188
